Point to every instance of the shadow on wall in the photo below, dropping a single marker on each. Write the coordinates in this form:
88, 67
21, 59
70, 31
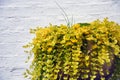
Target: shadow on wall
1, 78
116, 2
4, 2
113, 1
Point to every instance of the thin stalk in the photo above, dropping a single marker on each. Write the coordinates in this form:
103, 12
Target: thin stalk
64, 14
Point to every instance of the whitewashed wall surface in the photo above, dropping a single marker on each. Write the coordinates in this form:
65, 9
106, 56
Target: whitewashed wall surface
18, 16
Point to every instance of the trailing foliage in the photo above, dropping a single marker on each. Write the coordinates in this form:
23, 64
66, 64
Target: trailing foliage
116, 73
82, 51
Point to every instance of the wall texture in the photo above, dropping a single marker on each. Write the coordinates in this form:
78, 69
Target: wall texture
18, 16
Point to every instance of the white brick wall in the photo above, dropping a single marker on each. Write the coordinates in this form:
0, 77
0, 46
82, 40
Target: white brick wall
17, 16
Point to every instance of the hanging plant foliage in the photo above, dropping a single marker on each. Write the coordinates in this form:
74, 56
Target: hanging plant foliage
79, 52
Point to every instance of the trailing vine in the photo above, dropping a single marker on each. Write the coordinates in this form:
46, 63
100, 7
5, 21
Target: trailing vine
81, 51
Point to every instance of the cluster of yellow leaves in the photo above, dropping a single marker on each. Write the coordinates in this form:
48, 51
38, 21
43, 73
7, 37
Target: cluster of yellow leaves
77, 51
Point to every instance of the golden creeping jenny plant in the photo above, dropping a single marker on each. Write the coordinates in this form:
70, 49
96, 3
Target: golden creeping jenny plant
82, 51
